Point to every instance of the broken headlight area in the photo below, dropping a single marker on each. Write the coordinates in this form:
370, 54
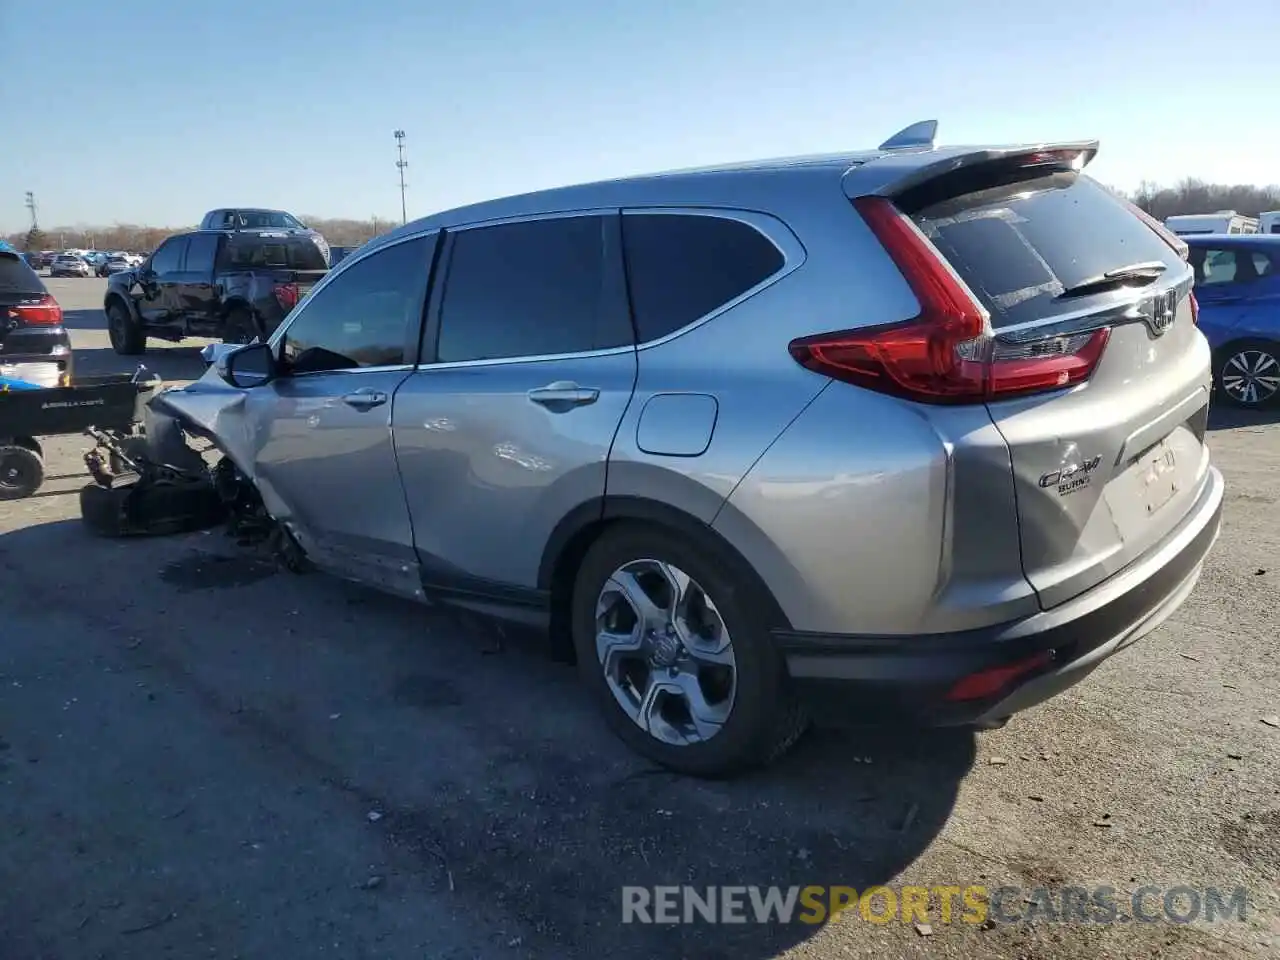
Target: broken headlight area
173, 477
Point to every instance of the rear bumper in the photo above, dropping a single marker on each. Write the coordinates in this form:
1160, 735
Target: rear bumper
44, 346
856, 679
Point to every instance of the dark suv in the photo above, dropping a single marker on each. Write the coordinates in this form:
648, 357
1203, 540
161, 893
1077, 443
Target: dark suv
34, 345
236, 285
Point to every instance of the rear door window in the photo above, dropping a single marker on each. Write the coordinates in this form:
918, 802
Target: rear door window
530, 289
1019, 246
1218, 266
200, 252
681, 267
17, 277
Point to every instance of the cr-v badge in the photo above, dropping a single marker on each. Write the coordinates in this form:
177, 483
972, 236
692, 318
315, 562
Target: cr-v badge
1071, 478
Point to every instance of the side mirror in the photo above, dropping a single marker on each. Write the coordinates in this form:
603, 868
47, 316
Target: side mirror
248, 366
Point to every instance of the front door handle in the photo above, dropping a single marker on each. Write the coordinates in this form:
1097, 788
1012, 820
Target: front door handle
563, 395
365, 399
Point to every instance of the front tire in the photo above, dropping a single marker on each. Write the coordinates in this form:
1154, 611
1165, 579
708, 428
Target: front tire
123, 330
1247, 373
677, 652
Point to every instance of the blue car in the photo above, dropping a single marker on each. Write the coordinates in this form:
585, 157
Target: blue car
1238, 289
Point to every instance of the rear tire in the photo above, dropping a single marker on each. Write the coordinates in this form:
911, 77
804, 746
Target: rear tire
124, 331
21, 471
743, 720
1247, 373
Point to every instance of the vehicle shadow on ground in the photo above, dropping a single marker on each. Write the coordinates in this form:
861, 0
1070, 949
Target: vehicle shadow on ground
1225, 417
84, 319
171, 363
494, 781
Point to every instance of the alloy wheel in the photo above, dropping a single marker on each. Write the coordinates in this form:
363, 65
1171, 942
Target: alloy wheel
665, 651
1251, 376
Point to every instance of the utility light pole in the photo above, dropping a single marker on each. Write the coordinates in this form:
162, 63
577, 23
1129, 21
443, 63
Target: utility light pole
401, 163
31, 205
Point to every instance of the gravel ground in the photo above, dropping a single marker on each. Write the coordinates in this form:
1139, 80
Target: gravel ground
202, 756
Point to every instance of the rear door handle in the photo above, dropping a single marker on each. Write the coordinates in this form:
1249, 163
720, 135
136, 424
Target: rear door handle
365, 399
563, 395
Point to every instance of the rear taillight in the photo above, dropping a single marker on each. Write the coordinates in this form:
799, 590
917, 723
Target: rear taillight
287, 295
946, 353
44, 312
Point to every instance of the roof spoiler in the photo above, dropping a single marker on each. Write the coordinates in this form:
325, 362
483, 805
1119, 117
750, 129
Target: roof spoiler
1072, 155
921, 135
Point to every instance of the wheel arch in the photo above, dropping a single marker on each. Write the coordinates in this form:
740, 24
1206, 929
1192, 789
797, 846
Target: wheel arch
1223, 350
582, 526
28, 443
113, 297
235, 302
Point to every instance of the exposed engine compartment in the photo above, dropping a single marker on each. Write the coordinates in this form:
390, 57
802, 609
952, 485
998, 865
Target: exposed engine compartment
174, 476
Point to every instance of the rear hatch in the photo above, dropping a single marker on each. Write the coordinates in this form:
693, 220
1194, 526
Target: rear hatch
33, 342
1107, 467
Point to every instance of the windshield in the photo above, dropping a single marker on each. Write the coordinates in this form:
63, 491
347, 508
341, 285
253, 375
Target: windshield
266, 219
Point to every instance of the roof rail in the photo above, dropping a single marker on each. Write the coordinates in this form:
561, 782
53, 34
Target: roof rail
920, 134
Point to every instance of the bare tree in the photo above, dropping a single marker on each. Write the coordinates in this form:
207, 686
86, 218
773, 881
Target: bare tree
1197, 196
134, 237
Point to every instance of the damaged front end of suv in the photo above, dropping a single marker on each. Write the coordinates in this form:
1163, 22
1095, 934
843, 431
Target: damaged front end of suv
191, 468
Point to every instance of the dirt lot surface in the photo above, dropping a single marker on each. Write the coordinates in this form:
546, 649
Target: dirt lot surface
203, 756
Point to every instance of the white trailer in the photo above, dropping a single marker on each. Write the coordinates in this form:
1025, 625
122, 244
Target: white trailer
1224, 221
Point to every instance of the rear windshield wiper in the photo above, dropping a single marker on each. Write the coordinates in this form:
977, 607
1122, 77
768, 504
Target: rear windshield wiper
1135, 274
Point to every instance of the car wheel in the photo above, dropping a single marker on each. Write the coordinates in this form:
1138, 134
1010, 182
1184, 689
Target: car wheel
1248, 373
240, 327
124, 332
678, 654
21, 471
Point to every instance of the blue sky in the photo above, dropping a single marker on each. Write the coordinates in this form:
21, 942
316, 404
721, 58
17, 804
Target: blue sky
146, 111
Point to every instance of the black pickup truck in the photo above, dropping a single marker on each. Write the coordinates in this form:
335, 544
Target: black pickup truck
233, 285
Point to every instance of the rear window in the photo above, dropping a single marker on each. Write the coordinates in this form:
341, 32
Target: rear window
681, 267
1019, 246
300, 254
17, 277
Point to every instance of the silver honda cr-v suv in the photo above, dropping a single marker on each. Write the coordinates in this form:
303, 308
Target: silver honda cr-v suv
913, 433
